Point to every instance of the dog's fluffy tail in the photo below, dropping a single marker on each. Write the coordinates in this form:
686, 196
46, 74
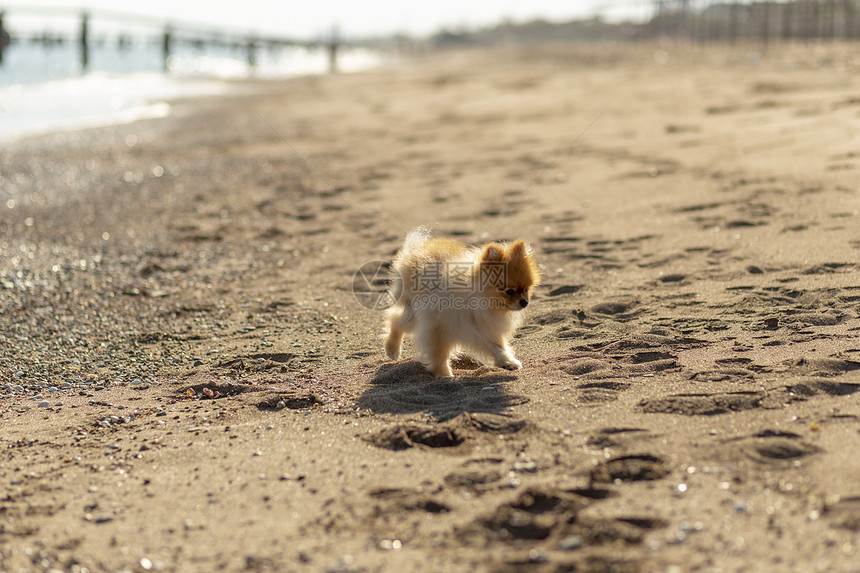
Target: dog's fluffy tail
415, 239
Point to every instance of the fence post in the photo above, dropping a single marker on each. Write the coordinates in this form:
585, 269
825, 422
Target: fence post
85, 42
814, 21
733, 22
165, 49
5, 39
787, 12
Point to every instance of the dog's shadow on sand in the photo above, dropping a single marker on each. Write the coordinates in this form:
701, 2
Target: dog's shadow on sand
408, 388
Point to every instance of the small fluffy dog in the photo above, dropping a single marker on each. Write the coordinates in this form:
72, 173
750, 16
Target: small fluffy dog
455, 297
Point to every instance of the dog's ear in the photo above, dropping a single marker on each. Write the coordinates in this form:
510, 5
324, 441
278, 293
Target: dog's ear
518, 250
492, 253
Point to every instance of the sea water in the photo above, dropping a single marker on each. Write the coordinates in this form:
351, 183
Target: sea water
42, 89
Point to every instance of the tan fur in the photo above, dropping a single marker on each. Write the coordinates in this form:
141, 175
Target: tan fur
453, 297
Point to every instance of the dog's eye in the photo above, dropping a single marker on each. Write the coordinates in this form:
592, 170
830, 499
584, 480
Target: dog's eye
510, 292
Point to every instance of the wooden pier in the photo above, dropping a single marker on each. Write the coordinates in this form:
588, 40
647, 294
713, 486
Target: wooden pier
702, 21
169, 35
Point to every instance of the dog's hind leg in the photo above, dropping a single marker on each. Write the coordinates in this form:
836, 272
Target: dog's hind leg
435, 349
395, 332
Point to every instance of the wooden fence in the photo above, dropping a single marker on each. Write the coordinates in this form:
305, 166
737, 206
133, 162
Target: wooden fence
169, 37
705, 21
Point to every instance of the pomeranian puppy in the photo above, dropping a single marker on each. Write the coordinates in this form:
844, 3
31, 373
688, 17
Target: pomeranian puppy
453, 297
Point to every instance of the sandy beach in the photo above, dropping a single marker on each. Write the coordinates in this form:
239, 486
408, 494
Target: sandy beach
188, 381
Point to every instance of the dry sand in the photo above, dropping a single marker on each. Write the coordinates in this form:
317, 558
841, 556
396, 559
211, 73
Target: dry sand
221, 402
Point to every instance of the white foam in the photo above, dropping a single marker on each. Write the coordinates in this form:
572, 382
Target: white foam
103, 98
92, 100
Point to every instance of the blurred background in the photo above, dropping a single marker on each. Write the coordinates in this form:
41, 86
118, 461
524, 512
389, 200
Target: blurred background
110, 59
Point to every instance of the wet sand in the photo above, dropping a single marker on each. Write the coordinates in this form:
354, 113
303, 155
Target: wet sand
188, 383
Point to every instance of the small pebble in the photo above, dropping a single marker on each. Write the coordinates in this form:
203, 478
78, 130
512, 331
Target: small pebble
571, 543
525, 465
44, 404
690, 527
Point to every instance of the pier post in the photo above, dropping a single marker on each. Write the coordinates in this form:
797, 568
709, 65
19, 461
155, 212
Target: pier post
85, 42
252, 53
333, 46
165, 49
5, 39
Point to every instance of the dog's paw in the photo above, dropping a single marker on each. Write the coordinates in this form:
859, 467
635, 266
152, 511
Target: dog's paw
442, 372
392, 349
509, 363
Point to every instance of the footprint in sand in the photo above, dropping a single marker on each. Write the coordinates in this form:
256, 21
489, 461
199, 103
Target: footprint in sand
844, 512
772, 447
552, 317
703, 404
564, 245
531, 516
723, 402
639, 467
289, 401
616, 436
621, 308
475, 479
552, 519
216, 390
450, 434
396, 499
604, 391
825, 366
565, 289
583, 366
405, 436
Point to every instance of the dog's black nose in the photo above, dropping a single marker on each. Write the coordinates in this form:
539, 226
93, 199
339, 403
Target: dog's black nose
524, 303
